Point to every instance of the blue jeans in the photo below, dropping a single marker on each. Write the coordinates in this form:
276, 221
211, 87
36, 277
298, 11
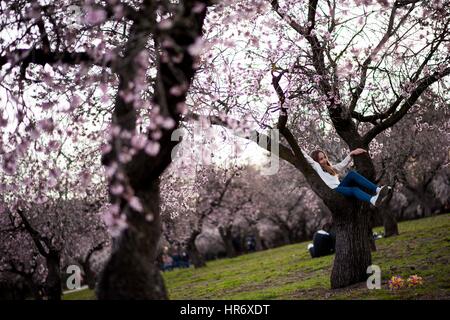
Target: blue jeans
349, 186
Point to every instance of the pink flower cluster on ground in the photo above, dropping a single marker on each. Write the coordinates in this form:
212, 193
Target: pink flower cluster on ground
397, 282
414, 280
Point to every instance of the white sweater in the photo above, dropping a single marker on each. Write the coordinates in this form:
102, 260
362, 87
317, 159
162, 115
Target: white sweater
332, 181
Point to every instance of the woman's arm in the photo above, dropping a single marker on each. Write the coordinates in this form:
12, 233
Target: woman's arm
344, 163
310, 160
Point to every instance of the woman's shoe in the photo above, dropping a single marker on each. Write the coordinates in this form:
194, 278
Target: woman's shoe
382, 195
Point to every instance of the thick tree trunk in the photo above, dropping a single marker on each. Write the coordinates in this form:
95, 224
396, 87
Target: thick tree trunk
388, 217
428, 204
227, 238
194, 255
90, 277
285, 233
353, 252
300, 232
243, 242
258, 242
131, 272
53, 280
389, 223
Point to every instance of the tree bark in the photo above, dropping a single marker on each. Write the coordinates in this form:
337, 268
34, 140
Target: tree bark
353, 252
194, 255
131, 271
390, 225
350, 216
53, 280
89, 276
258, 242
389, 219
285, 233
227, 238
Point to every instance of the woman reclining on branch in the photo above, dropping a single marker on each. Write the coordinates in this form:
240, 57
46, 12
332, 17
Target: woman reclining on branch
350, 185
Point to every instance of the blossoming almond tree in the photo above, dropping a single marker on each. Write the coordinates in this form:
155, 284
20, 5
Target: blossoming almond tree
421, 162
355, 68
143, 52
38, 240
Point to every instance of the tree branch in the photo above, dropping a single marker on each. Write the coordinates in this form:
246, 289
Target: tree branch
397, 116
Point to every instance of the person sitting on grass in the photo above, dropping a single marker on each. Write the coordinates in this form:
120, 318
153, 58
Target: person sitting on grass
324, 242
167, 260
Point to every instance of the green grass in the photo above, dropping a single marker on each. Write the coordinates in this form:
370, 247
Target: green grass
423, 248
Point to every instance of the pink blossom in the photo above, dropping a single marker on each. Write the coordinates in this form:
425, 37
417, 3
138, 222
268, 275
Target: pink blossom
34, 134
47, 125
118, 12
139, 141
3, 121
111, 170
105, 98
198, 7
196, 48
105, 148
165, 24
355, 51
23, 147
127, 96
181, 108
85, 178
117, 189
53, 145
317, 79
75, 101
41, 199
156, 135
46, 105
178, 90
103, 87
135, 203
55, 172
152, 148
142, 59
384, 3
115, 221
9, 163
167, 43
52, 182
95, 16
168, 123
115, 131
125, 134
124, 157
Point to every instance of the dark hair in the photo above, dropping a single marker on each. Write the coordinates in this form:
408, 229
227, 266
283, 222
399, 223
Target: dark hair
327, 226
328, 167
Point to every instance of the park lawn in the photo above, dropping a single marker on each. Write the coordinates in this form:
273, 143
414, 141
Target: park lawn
288, 272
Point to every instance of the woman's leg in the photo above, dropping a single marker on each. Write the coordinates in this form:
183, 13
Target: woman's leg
355, 177
354, 192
